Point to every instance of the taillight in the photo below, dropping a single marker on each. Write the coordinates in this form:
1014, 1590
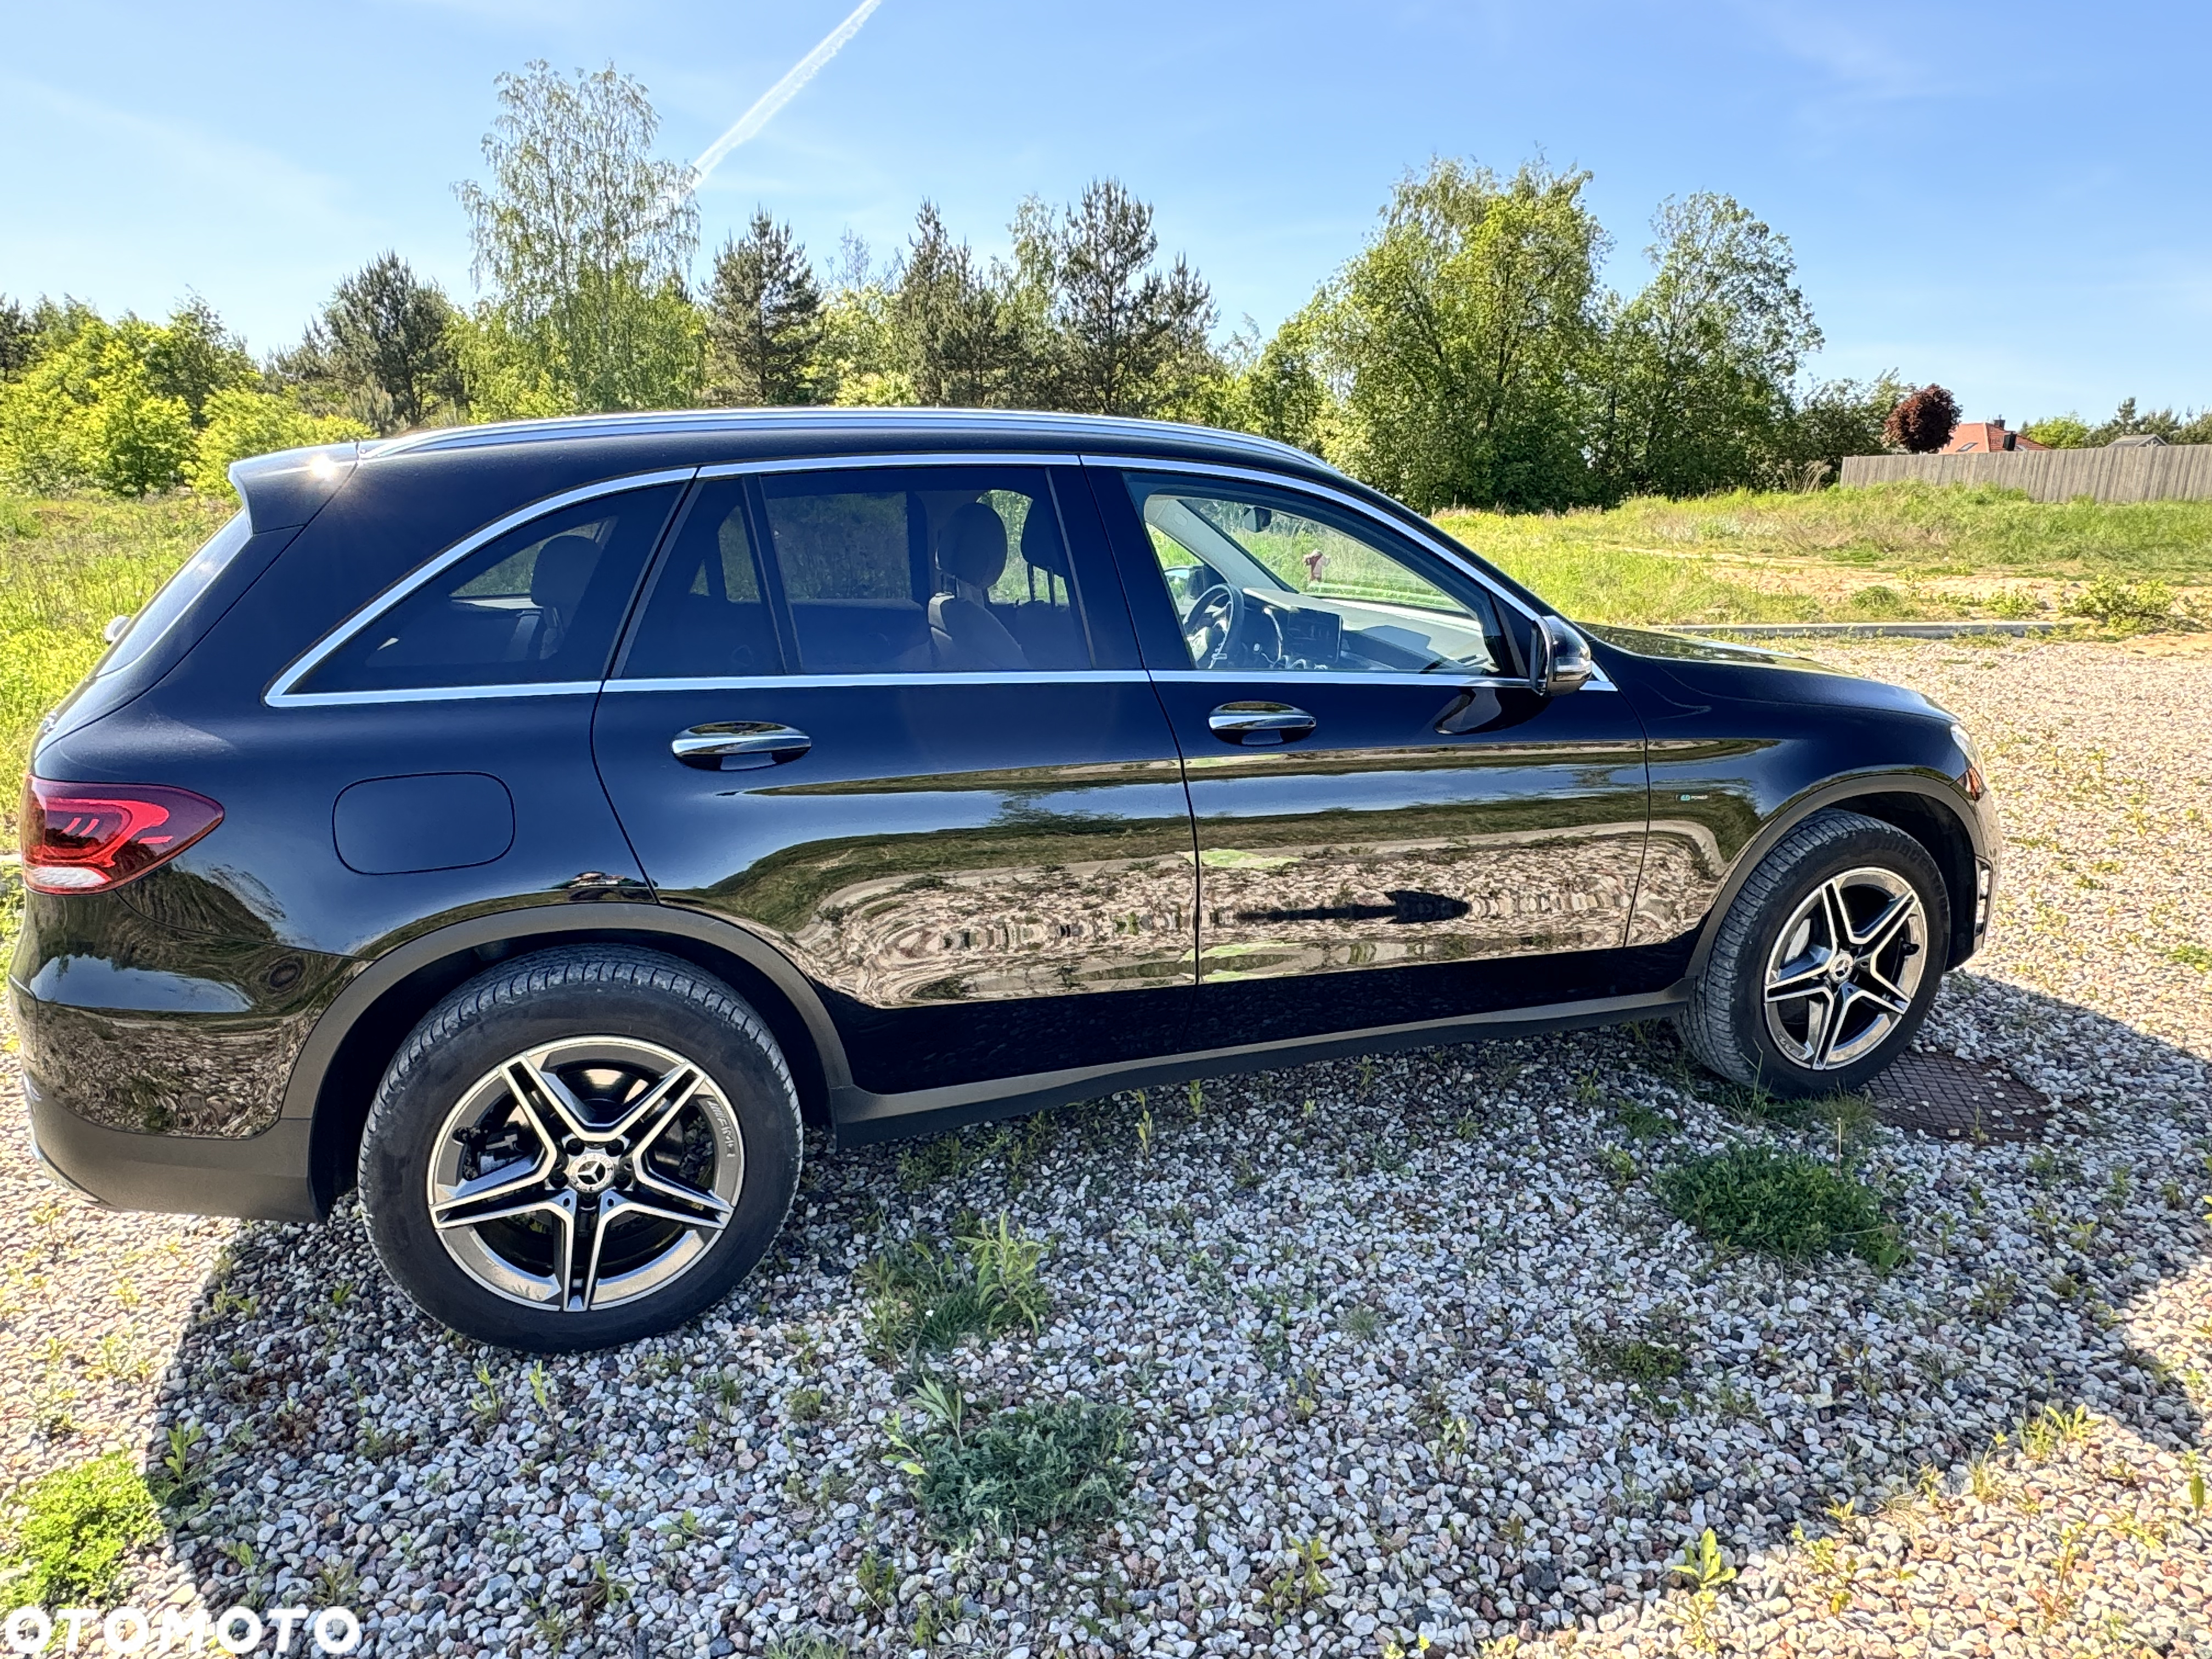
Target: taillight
88, 837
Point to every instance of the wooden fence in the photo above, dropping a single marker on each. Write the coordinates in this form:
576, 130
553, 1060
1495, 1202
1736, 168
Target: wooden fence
2148, 472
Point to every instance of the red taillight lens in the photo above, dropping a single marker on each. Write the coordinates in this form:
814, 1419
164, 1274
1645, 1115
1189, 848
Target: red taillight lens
88, 837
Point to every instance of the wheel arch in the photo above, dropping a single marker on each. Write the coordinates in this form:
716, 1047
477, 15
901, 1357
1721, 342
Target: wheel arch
1925, 806
334, 1080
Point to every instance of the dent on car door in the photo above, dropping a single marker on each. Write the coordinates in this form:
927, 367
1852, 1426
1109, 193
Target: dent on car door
891, 719
1373, 802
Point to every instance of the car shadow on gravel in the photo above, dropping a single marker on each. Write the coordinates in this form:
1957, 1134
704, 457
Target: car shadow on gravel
1381, 1317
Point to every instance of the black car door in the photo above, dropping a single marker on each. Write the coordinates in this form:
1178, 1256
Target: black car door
891, 718
1392, 828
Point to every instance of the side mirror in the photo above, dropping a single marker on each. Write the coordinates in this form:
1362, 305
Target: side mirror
1558, 658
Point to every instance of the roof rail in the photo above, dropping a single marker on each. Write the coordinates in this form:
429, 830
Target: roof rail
1087, 428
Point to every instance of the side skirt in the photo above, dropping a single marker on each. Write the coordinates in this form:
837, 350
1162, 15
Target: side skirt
862, 1117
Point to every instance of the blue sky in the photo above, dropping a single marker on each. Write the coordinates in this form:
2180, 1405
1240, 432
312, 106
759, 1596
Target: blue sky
2011, 200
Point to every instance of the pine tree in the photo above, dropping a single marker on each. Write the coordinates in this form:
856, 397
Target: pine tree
763, 320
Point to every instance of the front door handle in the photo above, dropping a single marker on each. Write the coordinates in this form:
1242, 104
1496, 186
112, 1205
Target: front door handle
738, 745
1254, 724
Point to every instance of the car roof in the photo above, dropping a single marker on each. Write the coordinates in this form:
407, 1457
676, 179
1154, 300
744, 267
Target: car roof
808, 431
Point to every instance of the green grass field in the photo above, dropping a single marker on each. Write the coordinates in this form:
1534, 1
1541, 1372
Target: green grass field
1891, 552
1897, 551
66, 567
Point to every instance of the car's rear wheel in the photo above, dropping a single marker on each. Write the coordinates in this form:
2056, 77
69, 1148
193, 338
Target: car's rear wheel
1826, 962
580, 1148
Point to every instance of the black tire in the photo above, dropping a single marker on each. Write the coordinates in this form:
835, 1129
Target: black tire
1726, 1026
643, 1004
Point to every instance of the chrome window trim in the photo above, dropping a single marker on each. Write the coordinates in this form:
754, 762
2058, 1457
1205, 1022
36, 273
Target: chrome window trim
438, 694
864, 463
800, 682
281, 695
1338, 677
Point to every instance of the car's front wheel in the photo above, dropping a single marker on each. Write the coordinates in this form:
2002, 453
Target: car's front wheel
1826, 962
580, 1148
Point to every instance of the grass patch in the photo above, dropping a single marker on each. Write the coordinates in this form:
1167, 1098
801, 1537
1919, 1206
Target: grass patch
1784, 1204
1033, 1468
1646, 1360
921, 1298
69, 1531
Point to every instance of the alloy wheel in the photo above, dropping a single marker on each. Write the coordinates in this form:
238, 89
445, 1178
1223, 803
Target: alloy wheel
586, 1173
1844, 972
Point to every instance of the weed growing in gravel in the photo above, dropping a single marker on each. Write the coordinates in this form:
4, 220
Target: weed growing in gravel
921, 1297
805, 1405
1702, 1568
69, 1531
1302, 1582
1786, 1204
1029, 1469
807, 1644
2051, 1429
1645, 1361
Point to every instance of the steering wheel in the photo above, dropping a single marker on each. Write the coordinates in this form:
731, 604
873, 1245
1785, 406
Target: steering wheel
1219, 628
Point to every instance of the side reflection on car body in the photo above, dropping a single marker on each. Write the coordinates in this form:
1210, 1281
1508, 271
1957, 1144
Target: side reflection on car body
533, 825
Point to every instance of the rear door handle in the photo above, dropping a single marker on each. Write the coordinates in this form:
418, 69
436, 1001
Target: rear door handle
1254, 724
738, 745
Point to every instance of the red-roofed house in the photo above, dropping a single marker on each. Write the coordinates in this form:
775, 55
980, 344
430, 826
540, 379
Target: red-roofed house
1980, 437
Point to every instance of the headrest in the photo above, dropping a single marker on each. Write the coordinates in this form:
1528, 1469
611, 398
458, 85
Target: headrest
1042, 547
563, 569
972, 546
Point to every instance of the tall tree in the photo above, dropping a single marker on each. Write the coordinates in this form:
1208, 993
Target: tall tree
1130, 338
583, 236
1697, 368
1458, 336
195, 357
387, 331
764, 324
957, 343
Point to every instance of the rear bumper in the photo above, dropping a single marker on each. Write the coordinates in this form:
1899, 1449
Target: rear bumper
263, 1176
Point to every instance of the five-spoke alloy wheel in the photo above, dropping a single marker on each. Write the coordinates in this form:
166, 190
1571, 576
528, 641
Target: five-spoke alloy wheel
539, 1183
1826, 961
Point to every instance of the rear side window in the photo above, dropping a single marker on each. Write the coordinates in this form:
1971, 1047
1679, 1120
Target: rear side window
707, 617
177, 594
539, 605
924, 569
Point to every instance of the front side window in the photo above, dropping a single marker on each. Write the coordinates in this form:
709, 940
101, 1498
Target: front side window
538, 605
924, 570
1269, 580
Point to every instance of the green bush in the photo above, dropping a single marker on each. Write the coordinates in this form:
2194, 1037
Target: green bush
1785, 1203
72, 1530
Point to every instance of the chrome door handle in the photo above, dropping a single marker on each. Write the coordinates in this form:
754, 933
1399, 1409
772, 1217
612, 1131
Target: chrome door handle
1257, 723
738, 745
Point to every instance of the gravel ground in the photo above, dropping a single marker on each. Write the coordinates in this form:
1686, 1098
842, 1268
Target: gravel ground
1372, 1324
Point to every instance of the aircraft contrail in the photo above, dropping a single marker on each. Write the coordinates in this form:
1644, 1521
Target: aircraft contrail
764, 108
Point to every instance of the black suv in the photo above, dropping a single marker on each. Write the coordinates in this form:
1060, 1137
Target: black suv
534, 824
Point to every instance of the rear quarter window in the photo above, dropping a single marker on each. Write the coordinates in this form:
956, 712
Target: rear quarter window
539, 605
